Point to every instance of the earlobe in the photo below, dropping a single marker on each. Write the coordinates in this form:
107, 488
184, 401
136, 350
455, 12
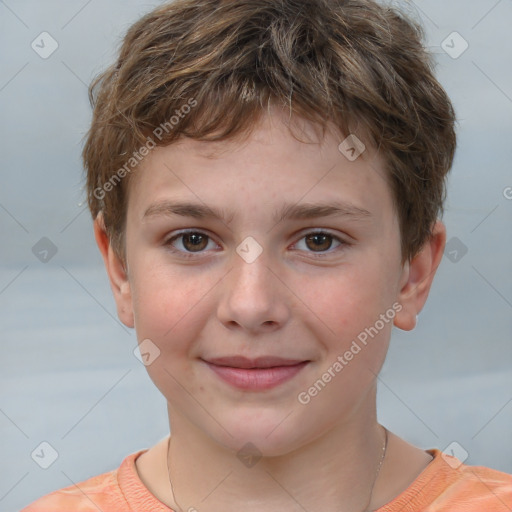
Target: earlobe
417, 278
117, 274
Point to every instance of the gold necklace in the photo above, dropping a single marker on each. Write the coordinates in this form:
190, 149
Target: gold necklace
383, 456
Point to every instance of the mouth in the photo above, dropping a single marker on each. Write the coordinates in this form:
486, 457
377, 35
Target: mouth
257, 363
255, 374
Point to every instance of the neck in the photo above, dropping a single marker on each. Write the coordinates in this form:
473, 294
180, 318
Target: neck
334, 471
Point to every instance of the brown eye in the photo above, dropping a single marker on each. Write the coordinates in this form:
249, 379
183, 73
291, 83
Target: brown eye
319, 241
194, 241
188, 242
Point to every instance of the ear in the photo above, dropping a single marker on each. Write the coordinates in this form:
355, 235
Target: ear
417, 277
117, 274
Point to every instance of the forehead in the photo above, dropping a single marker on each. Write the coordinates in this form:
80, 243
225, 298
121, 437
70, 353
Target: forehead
275, 162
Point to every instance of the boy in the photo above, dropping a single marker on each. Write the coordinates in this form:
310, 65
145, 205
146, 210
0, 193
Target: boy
265, 179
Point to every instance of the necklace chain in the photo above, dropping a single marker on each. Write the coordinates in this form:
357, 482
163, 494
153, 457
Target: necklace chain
384, 449
383, 456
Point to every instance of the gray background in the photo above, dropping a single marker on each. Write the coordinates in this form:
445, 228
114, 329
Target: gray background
68, 373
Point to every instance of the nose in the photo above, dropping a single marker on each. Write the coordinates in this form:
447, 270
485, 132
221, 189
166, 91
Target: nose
253, 296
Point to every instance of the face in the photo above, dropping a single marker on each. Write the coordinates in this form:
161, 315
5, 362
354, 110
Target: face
304, 265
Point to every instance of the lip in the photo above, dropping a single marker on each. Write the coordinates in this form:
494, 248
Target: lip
258, 362
255, 374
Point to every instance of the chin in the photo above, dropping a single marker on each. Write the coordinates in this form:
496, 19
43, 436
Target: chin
268, 433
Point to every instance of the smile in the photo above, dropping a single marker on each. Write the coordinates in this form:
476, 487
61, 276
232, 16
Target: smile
256, 379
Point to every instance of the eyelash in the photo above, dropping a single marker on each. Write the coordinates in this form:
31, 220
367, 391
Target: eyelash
185, 254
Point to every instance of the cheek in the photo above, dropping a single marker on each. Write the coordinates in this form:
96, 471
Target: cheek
163, 303
348, 300
346, 319
169, 312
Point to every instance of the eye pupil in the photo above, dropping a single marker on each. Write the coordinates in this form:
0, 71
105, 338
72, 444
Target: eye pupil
195, 239
321, 237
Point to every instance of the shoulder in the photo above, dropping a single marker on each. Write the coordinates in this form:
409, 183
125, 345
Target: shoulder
101, 492
482, 487
448, 485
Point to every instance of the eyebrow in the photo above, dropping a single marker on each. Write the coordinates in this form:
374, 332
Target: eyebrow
287, 212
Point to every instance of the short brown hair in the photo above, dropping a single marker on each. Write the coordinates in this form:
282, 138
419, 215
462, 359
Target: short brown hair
350, 62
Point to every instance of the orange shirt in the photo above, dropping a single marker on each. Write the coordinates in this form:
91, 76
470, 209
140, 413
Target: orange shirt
444, 485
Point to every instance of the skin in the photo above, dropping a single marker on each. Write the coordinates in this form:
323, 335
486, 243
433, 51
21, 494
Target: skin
322, 455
